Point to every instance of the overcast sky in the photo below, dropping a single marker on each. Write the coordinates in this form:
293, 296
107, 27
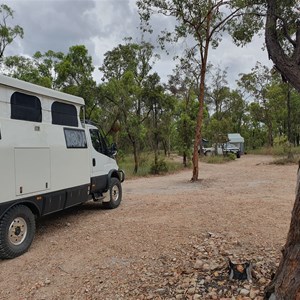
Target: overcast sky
101, 25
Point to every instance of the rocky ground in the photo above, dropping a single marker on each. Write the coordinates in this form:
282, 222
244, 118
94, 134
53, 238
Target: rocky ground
169, 239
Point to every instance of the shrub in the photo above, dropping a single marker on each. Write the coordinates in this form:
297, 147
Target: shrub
160, 167
231, 156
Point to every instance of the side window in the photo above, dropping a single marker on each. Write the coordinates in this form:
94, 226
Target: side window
75, 138
64, 114
98, 141
25, 107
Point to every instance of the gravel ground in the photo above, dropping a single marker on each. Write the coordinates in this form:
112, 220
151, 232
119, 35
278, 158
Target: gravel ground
169, 239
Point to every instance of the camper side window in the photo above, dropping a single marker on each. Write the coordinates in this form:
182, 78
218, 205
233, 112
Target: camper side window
98, 141
25, 107
64, 114
75, 138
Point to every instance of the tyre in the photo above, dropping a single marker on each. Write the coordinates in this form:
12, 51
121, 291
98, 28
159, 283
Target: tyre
238, 154
17, 230
115, 194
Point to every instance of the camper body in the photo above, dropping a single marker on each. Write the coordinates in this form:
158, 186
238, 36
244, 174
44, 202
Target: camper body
49, 161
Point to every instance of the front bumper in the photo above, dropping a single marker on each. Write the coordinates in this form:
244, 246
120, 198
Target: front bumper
121, 175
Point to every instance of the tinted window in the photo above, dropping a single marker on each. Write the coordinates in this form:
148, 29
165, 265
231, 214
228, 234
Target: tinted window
64, 114
25, 107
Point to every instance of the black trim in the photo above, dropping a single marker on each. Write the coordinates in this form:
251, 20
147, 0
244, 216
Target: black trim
99, 184
75, 138
51, 202
121, 174
48, 203
64, 114
25, 107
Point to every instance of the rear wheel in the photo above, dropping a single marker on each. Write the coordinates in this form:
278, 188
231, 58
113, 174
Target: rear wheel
17, 229
115, 194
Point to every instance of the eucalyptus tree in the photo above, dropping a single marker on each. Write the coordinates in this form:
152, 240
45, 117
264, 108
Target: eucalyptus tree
38, 69
218, 93
7, 33
126, 70
257, 84
70, 73
237, 109
160, 121
282, 35
184, 85
75, 76
204, 21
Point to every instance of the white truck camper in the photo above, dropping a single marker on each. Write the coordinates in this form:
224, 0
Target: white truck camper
49, 161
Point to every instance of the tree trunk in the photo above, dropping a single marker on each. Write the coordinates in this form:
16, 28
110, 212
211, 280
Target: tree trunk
204, 57
135, 156
289, 125
288, 66
184, 159
286, 283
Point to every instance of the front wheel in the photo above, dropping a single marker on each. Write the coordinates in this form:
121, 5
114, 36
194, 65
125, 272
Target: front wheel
17, 230
115, 194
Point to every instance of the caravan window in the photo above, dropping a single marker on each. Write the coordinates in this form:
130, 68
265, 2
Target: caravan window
75, 138
25, 107
64, 114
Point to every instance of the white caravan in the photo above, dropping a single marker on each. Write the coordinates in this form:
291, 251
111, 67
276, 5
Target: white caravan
49, 161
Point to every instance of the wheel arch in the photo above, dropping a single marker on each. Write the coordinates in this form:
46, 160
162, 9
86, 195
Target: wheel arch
119, 174
5, 207
112, 173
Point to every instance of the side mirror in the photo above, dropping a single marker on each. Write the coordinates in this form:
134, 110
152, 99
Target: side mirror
113, 149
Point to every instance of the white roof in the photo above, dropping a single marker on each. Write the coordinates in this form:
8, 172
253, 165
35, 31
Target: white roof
39, 90
235, 138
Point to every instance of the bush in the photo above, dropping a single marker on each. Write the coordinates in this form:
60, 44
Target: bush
160, 167
231, 156
286, 161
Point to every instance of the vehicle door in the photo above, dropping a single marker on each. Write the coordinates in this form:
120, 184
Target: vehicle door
99, 154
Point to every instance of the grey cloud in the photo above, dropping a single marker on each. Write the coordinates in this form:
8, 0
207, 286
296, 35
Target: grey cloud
58, 24
101, 25
54, 25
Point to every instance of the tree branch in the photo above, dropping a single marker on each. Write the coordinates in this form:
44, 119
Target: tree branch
287, 66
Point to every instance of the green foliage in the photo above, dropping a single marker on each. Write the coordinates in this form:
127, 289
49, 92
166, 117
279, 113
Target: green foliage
134, 95
39, 69
231, 156
159, 167
7, 33
141, 114
204, 22
126, 162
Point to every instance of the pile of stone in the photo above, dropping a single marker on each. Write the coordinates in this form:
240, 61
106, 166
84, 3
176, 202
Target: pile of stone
202, 272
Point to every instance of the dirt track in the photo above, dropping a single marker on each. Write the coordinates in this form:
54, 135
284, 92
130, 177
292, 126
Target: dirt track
127, 253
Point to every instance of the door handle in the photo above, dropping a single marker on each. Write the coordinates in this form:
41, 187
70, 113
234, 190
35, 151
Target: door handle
94, 162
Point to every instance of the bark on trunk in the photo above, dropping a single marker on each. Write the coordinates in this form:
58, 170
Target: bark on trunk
286, 282
136, 159
204, 57
184, 161
288, 66
289, 125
